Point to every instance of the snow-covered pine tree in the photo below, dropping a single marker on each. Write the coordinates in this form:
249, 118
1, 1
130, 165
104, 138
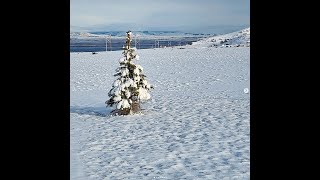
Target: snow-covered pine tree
131, 87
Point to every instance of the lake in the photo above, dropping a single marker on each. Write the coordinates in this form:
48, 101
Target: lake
99, 44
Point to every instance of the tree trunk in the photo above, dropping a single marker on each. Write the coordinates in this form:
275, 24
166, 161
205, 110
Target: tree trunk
119, 112
135, 107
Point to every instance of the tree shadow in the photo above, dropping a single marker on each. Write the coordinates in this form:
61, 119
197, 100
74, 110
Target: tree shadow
96, 111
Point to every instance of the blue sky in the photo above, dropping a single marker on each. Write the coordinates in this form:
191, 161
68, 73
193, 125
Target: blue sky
157, 14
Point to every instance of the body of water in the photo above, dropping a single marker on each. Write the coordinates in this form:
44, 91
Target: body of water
99, 44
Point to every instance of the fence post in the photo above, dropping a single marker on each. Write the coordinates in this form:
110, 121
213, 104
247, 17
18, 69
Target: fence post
108, 40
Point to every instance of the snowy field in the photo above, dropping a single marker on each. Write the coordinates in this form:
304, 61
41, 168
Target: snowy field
196, 126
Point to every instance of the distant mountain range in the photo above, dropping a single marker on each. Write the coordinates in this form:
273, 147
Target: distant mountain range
142, 34
120, 29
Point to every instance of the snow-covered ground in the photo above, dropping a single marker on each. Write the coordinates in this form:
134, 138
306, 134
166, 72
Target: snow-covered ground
195, 127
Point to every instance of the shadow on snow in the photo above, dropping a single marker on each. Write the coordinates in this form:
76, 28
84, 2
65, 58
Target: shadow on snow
96, 111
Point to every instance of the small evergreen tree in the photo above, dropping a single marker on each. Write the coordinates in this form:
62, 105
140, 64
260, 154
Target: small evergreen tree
131, 87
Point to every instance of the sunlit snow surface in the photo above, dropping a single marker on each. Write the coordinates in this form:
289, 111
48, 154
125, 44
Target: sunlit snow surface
196, 125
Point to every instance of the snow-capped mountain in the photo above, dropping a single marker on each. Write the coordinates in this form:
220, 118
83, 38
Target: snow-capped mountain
82, 34
141, 34
238, 38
